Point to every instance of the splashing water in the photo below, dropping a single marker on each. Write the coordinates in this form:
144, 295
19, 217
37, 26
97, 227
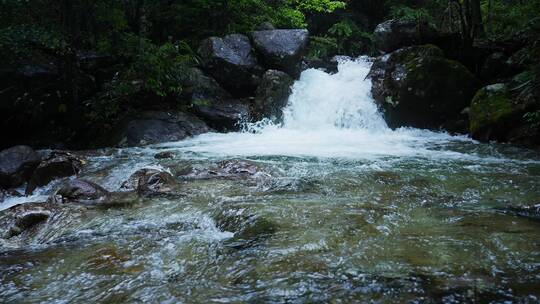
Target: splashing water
327, 116
344, 210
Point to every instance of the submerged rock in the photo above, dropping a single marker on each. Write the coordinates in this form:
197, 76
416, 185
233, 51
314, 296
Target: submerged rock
282, 49
532, 212
5, 193
395, 34
16, 165
58, 164
231, 61
419, 87
233, 169
164, 155
79, 191
249, 229
150, 181
272, 95
23, 218
35, 223
158, 127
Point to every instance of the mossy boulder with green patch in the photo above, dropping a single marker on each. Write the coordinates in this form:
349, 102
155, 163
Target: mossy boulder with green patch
497, 113
490, 110
419, 87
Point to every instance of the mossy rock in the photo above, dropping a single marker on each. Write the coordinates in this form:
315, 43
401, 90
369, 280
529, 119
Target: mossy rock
419, 87
490, 107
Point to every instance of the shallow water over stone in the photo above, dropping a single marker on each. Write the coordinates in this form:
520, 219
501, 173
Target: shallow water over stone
312, 215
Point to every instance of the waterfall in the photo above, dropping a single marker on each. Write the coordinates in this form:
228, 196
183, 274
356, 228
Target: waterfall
342, 100
328, 116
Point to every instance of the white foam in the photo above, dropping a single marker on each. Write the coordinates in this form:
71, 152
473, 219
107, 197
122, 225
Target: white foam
327, 116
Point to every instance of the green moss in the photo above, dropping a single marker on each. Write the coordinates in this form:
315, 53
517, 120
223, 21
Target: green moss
490, 105
202, 102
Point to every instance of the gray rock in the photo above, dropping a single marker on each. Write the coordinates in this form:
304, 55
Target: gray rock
266, 26
272, 95
6, 193
231, 61
419, 87
225, 115
150, 181
395, 34
282, 49
58, 164
79, 191
200, 88
16, 165
164, 155
229, 169
157, 127
249, 229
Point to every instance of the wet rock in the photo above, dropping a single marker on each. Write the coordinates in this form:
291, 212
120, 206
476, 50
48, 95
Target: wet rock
531, 212
266, 26
496, 114
24, 219
234, 169
327, 65
490, 112
150, 181
36, 223
58, 164
199, 87
249, 229
395, 34
164, 155
16, 165
496, 68
231, 61
272, 95
282, 49
157, 127
419, 87
79, 191
5, 193
224, 115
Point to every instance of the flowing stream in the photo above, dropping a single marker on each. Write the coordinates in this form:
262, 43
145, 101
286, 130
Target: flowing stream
342, 209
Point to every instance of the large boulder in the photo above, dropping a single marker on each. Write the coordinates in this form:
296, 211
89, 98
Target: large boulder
395, 34
199, 87
150, 181
419, 87
496, 114
157, 127
223, 115
58, 164
282, 49
16, 165
272, 95
497, 67
211, 103
232, 62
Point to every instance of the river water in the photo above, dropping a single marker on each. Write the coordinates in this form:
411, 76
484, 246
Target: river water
343, 209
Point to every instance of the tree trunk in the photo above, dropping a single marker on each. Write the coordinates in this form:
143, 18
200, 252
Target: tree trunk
477, 24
